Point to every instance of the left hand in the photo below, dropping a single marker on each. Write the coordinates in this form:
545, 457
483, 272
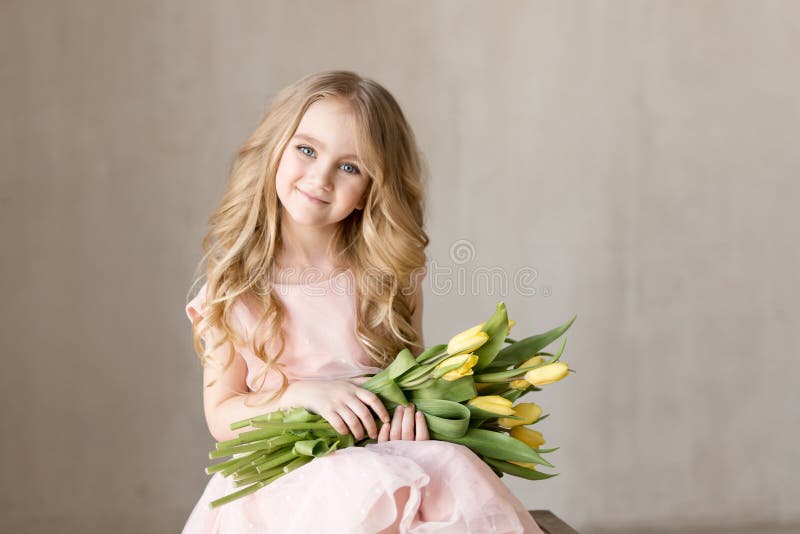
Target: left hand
407, 424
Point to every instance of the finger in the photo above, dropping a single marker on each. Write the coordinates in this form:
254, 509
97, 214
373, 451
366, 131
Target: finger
366, 417
383, 434
352, 421
375, 403
337, 423
358, 380
422, 427
397, 424
408, 423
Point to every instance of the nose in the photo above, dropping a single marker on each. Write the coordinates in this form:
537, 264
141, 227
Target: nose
319, 178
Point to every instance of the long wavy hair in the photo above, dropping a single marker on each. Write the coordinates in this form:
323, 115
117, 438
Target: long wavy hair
387, 237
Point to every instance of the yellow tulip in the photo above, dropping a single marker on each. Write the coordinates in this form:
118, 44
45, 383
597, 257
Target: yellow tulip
467, 344
532, 438
547, 374
493, 403
532, 362
519, 384
511, 323
529, 411
466, 341
467, 361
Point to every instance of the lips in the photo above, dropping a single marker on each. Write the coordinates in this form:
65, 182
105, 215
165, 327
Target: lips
311, 197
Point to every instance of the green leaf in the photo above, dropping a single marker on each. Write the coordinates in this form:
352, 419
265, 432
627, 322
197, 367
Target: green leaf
560, 351
402, 363
520, 351
545, 416
387, 389
493, 389
515, 394
313, 447
431, 353
459, 390
504, 376
496, 445
446, 418
478, 413
421, 372
497, 328
517, 470
383, 384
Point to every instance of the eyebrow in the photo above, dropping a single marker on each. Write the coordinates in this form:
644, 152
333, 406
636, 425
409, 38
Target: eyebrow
320, 143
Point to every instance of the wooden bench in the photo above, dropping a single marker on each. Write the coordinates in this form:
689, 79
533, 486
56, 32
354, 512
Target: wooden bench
550, 522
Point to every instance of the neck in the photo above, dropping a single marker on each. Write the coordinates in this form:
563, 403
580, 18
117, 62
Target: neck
304, 247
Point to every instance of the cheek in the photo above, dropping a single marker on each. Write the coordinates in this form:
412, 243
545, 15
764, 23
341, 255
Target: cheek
289, 168
360, 189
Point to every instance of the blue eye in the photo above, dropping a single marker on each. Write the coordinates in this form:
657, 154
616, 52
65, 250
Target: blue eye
354, 171
346, 166
301, 147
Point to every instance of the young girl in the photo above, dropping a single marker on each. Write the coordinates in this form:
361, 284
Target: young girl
314, 260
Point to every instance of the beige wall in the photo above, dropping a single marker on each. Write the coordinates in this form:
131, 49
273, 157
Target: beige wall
641, 156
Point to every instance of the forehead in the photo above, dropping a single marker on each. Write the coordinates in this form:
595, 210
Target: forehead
331, 123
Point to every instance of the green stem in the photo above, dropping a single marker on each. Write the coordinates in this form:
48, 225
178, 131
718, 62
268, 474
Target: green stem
237, 461
268, 445
278, 459
258, 477
242, 492
297, 463
249, 436
322, 425
267, 417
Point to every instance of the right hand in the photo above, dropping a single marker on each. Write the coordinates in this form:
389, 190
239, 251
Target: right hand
343, 404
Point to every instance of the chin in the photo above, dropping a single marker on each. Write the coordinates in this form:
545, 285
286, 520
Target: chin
305, 219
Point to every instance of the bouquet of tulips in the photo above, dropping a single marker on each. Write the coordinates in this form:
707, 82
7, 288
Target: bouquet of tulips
465, 388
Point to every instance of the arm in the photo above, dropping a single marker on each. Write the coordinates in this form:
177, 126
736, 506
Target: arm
223, 406
222, 402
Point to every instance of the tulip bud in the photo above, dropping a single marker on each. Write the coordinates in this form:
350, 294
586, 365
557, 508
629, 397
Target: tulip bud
465, 363
467, 341
519, 384
493, 403
511, 322
532, 438
547, 374
529, 411
532, 362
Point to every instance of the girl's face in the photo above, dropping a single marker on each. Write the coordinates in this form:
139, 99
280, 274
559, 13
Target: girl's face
319, 180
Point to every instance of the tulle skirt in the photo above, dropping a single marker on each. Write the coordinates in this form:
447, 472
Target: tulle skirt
398, 486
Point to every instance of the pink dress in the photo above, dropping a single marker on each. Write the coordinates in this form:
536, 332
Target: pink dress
403, 486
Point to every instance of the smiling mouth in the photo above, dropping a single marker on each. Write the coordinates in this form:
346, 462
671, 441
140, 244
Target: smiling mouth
311, 198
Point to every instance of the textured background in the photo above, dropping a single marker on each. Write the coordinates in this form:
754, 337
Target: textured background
636, 157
